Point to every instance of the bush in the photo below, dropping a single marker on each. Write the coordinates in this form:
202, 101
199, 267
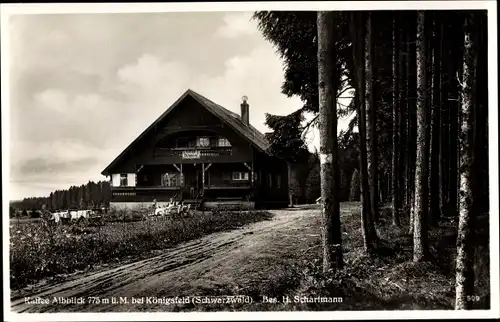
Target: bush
34, 214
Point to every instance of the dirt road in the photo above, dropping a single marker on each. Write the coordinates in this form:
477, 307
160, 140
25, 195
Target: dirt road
225, 262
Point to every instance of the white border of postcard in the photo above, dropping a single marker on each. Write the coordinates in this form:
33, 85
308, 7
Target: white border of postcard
10, 9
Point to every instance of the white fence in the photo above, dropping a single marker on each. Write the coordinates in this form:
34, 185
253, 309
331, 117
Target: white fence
72, 215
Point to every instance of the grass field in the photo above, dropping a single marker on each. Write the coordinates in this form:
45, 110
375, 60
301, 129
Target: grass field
388, 280
274, 258
38, 251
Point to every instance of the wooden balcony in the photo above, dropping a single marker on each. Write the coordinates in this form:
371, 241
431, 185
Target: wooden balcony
228, 187
175, 188
147, 188
161, 193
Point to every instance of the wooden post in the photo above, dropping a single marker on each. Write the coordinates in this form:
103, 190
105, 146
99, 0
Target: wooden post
182, 178
250, 168
205, 169
202, 176
253, 176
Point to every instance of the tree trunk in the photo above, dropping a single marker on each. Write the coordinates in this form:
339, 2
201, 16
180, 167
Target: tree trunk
371, 120
455, 55
292, 181
367, 225
411, 104
442, 122
433, 182
355, 183
402, 148
465, 249
344, 186
396, 202
421, 171
328, 79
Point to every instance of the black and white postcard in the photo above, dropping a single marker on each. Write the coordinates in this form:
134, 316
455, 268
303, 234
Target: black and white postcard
253, 160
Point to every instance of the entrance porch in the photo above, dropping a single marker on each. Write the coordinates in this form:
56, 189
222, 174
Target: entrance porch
206, 181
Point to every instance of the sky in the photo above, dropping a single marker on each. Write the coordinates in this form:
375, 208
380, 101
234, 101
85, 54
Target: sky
83, 86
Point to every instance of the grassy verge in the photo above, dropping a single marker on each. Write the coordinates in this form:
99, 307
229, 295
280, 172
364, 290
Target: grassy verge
38, 251
387, 280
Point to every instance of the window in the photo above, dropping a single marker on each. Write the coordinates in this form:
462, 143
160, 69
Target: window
203, 142
269, 180
226, 177
169, 180
182, 142
240, 176
192, 142
123, 180
278, 181
223, 142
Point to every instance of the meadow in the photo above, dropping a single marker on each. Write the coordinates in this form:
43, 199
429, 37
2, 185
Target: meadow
38, 251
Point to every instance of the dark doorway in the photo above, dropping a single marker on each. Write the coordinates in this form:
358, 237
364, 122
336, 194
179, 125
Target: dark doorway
193, 180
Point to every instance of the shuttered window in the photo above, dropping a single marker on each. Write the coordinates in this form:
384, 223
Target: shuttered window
203, 142
240, 176
123, 180
223, 142
170, 180
278, 181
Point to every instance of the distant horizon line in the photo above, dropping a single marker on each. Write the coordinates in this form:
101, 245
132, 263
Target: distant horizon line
23, 198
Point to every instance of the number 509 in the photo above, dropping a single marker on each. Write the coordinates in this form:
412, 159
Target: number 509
473, 298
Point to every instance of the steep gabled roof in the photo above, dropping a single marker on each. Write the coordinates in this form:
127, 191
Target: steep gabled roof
249, 132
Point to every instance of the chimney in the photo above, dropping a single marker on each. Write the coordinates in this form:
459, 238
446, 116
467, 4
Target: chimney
245, 112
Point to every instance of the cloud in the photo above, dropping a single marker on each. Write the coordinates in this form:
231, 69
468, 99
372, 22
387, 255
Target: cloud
39, 165
59, 151
237, 24
52, 99
43, 168
258, 75
151, 77
55, 114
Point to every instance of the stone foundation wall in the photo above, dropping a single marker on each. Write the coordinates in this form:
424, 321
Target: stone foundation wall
231, 205
248, 205
134, 205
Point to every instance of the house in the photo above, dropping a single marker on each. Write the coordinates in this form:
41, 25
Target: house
199, 152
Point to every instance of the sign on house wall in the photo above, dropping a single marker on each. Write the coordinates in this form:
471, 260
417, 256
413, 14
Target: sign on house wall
190, 154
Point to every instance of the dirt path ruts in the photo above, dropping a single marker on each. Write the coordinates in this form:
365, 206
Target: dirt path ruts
214, 260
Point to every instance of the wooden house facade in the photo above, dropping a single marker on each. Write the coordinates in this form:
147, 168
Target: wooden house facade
198, 151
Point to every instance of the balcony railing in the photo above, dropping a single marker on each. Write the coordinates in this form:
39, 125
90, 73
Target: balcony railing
219, 186
144, 188
193, 153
